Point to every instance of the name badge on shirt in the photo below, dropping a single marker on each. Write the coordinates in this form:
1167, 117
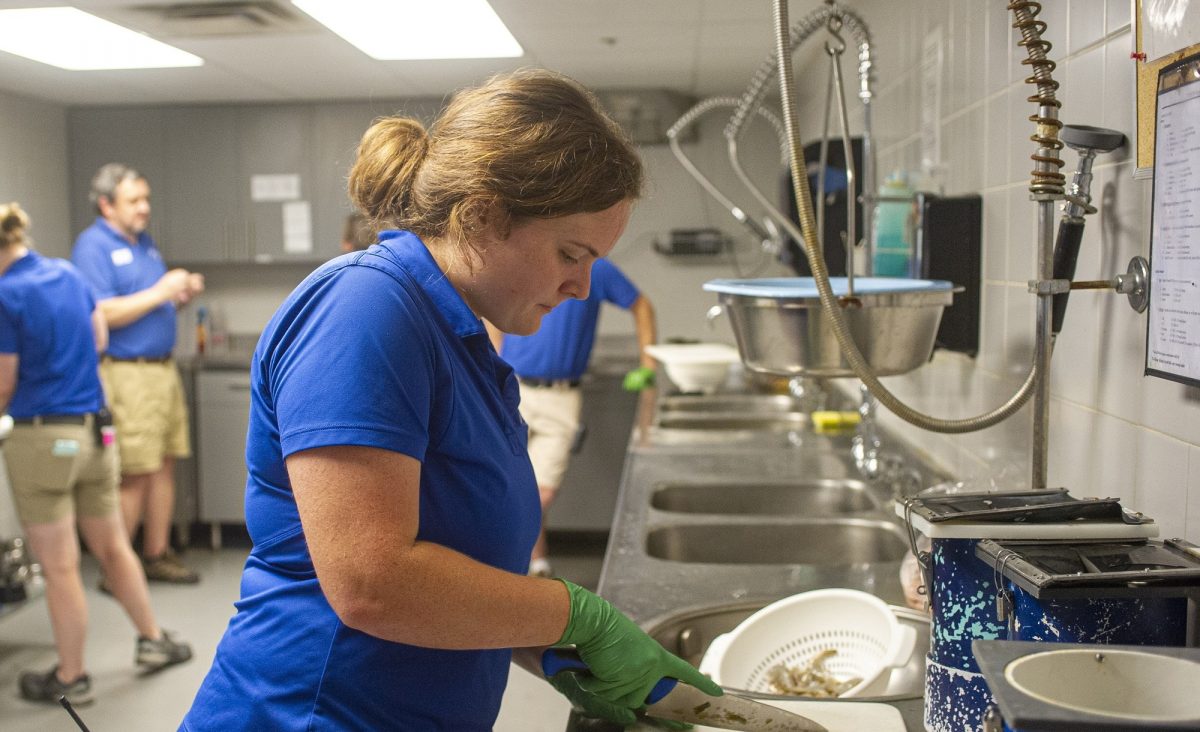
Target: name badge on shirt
65, 448
122, 256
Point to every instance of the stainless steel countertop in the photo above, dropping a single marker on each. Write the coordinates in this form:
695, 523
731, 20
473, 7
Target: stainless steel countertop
649, 589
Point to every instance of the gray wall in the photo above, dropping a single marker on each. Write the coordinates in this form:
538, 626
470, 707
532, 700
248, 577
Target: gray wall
1113, 431
246, 296
33, 168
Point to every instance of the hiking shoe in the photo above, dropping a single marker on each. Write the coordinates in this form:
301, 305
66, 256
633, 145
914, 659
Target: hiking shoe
45, 687
168, 568
155, 655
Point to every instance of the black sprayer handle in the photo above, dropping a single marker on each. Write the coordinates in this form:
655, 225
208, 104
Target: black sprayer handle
1066, 252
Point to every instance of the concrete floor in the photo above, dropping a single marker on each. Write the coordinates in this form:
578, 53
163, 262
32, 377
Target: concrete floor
128, 702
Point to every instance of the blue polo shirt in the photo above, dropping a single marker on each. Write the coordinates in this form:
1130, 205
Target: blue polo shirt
375, 348
114, 267
46, 320
561, 347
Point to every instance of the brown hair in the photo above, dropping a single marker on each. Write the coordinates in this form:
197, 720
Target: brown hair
357, 231
529, 144
13, 223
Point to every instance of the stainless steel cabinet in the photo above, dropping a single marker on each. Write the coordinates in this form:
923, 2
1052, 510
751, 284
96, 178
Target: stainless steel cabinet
200, 160
97, 136
337, 131
222, 416
588, 495
200, 210
276, 141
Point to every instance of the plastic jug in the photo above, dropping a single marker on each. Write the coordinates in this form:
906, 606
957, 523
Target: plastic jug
893, 244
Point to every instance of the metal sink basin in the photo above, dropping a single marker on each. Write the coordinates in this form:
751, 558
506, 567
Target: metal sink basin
755, 403
810, 498
697, 420
824, 542
1133, 685
688, 634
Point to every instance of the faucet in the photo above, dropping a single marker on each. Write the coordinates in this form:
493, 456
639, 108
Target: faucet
866, 444
874, 463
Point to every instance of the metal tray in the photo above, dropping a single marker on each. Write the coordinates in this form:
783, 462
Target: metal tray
1052, 505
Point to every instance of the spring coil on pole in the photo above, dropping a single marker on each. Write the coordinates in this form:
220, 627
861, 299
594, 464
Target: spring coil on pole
1045, 177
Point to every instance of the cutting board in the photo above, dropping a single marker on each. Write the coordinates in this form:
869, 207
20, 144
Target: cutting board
841, 716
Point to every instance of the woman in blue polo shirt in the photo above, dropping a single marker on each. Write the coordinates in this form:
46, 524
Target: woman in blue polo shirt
390, 497
61, 459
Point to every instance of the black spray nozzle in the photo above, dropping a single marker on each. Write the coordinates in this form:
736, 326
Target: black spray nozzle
1066, 253
1088, 142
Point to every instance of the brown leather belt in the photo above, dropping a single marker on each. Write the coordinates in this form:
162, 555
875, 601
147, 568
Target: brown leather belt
549, 383
53, 419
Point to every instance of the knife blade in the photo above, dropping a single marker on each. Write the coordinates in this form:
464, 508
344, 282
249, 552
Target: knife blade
674, 700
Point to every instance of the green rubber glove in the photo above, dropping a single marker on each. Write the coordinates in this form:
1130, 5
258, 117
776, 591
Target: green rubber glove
594, 706
625, 663
591, 705
640, 378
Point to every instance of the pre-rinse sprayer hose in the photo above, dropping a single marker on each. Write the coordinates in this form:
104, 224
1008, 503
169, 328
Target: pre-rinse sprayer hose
750, 103
820, 272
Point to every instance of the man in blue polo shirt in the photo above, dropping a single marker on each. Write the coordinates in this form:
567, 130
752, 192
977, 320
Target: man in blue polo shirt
138, 297
549, 365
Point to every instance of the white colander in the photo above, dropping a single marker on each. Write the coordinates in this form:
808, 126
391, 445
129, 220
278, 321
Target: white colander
862, 629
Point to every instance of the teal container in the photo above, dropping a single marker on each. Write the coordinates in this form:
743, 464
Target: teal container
893, 245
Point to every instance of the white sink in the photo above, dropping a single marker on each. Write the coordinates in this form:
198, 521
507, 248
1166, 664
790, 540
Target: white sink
1131, 685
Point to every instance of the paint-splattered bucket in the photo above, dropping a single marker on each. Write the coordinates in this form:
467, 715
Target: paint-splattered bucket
955, 700
1132, 621
963, 593
963, 603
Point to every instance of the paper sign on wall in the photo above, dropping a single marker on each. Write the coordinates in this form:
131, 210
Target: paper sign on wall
1173, 333
297, 227
274, 187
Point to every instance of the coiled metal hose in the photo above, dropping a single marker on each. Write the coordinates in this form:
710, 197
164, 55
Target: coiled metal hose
829, 301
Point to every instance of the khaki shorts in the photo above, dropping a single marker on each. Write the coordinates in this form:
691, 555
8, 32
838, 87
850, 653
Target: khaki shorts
57, 470
149, 413
552, 414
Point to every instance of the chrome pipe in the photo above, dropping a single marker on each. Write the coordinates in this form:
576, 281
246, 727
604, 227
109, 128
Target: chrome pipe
1043, 347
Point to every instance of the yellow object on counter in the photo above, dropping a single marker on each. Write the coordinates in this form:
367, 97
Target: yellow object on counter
825, 422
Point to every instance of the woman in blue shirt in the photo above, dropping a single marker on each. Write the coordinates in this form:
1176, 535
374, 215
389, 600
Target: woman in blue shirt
390, 497
62, 461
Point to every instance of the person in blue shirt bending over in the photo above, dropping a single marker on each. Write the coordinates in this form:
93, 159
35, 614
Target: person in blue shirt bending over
61, 459
390, 497
550, 365
138, 297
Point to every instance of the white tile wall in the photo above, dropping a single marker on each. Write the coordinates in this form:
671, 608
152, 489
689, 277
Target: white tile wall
1086, 24
1113, 431
1193, 503
1161, 486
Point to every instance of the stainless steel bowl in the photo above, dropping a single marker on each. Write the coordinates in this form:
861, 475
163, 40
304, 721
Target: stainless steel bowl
793, 336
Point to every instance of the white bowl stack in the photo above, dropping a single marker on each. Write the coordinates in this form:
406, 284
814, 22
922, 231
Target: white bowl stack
695, 367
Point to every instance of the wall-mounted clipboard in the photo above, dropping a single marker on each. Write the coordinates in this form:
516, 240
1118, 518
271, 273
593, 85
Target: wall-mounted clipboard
1173, 328
1164, 32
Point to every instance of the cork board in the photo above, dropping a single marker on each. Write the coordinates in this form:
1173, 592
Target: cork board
1157, 43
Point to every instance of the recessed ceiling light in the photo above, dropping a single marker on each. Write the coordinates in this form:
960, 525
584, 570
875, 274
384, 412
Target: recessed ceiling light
398, 30
72, 39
